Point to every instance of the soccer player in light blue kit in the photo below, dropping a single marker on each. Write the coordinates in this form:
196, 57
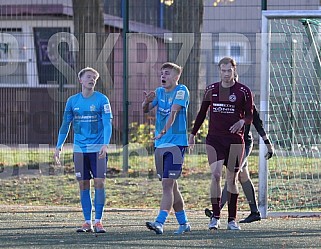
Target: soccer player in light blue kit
171, 101
91, 115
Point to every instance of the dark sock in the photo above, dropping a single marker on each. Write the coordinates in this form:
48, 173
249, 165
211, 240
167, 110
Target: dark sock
254, 209
249, 192
232, 206
216, 207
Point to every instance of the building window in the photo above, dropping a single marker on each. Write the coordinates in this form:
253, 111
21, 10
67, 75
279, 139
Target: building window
13, 63
237, 50
47, 72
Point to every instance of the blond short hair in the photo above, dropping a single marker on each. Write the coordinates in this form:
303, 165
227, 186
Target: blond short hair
169, 65
86, 69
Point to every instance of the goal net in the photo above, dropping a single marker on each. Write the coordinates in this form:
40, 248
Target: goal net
291, 107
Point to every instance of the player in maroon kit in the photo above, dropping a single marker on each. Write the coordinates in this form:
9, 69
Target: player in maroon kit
230, 104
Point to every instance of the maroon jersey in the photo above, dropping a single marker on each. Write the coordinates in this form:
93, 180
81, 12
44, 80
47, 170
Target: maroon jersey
226, 106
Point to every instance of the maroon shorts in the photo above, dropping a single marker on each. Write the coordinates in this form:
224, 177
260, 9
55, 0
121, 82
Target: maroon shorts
227, 148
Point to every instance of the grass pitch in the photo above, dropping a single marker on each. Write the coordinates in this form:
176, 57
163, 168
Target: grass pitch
54, 227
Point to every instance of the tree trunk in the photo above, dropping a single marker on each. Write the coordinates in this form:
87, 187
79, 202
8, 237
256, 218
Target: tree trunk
91, 35
186, 18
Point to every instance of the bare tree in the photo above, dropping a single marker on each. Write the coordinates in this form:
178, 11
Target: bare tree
90, 31
186, 18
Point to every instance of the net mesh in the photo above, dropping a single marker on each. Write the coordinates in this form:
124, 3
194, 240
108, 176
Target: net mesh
294, 114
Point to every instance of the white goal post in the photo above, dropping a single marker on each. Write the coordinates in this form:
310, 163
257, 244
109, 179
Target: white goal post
290, 106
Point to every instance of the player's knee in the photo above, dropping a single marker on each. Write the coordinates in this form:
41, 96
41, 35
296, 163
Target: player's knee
243, 178
216, 177
168, 184
99, 183
233, 190
84, 184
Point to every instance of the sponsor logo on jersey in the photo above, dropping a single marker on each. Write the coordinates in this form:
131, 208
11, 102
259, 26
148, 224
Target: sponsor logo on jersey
76, 109
180, 94
223, 108
78, 174
164, 111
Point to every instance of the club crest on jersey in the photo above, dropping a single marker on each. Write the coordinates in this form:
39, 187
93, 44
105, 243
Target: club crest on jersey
107, 108
232, 98
92, 108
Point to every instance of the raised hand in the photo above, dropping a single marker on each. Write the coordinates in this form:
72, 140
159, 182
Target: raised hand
149, 97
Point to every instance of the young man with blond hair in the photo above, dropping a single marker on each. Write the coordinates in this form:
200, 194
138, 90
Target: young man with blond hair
171, 101
91, 115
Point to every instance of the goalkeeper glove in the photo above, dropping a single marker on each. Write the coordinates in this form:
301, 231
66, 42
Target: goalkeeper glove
270, 152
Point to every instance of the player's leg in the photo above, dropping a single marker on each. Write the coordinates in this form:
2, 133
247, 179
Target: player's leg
216, 167
165, 206
215, 188
234, 161
168, 196
178, 202
99, 171
162, 215
224, 196
165, 159
215, 193
180, 212
248, 187
224, 191
82, 172
232, 196
249, 191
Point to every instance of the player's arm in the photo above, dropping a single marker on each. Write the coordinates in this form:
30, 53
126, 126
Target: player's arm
269, 147
248, 110
148, 99
199, 120
258, 124
63, 131
107, 122
170, 121
107, 117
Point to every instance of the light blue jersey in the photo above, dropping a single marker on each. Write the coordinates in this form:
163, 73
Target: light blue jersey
91, 118
177, 134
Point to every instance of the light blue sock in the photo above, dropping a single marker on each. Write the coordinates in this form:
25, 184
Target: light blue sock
181, 217
85, 200
99, 202
162, 215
